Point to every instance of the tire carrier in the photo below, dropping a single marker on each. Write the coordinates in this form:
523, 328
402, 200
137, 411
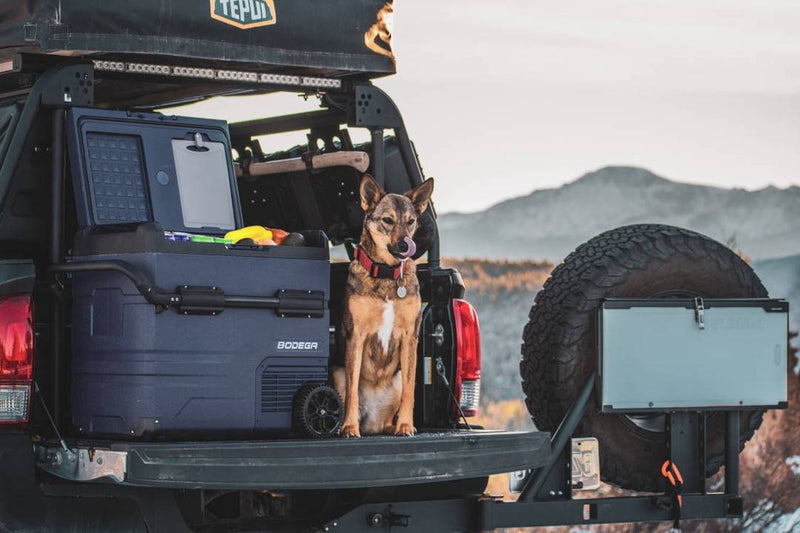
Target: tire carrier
546, 499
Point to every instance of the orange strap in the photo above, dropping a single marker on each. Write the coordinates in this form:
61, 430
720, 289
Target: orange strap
670, 471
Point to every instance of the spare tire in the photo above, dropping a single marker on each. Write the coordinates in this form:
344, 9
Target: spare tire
559, 351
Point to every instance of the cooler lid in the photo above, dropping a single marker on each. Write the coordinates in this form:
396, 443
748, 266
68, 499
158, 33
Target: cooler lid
147, 167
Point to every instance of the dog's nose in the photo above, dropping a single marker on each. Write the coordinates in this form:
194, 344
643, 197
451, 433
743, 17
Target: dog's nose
402, 246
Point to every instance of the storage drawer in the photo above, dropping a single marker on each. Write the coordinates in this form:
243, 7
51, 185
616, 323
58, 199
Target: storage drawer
686, 354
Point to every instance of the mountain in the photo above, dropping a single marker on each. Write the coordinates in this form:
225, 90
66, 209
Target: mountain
549, 223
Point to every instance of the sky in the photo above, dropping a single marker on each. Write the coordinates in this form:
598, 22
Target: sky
509, 96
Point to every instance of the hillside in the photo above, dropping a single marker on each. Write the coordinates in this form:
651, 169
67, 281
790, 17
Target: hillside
502, 292
781, 277
550, 223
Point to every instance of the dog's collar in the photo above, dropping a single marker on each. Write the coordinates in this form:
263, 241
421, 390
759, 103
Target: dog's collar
378, 270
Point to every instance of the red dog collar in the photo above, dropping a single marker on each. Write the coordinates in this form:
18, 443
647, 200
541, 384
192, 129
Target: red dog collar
378, 270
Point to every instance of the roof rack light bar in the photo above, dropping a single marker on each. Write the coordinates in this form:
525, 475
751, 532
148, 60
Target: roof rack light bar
215, 74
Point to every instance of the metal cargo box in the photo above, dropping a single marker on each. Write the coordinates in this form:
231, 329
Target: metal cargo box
693, 354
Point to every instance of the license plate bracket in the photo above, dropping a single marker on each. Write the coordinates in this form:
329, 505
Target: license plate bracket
584, 467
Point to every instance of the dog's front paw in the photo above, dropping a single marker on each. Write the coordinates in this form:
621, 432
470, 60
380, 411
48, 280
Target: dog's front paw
404, 428
350, 431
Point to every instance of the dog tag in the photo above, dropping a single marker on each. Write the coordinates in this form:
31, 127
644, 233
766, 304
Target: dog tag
401, 287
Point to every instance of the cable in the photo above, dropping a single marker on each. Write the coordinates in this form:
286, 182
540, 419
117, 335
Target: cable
440, 371
47, 411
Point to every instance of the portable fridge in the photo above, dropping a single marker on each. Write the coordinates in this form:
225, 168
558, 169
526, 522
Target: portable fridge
210, 358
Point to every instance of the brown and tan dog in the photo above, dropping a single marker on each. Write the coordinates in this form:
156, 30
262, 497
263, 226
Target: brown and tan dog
381, 316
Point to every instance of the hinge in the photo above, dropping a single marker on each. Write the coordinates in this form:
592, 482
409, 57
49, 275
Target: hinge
438, 334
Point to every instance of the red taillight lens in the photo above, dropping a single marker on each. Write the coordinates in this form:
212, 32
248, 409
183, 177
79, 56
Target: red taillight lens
16, 358
16, 338
468, 351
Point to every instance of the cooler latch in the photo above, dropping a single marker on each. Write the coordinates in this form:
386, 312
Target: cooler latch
699, 313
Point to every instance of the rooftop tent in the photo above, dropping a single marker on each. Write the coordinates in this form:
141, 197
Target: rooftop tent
347, 38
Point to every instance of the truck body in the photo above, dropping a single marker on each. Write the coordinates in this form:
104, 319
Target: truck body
79, 256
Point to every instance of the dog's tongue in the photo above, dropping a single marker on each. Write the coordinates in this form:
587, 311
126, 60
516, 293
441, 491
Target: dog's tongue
412, 247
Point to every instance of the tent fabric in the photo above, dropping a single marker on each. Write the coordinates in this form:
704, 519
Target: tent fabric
338, 38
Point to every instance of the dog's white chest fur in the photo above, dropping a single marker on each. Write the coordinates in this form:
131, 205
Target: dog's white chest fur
385, 330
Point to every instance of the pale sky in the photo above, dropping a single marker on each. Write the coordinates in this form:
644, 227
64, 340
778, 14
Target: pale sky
508, 96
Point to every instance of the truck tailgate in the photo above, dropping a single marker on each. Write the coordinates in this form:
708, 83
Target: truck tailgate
309, 464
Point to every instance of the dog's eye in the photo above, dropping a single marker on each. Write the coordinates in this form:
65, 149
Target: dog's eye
387, 220
411, 221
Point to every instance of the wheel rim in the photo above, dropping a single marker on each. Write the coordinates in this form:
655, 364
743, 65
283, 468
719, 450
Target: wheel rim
322, 412
655, 424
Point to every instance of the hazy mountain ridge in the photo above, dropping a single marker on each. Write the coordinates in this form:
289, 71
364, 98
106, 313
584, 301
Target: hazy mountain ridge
549, 223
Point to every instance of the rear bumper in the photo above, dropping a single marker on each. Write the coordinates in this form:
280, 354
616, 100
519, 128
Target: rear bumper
303, 464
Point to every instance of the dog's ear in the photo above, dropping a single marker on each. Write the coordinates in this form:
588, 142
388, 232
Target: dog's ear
371, 193
421, 195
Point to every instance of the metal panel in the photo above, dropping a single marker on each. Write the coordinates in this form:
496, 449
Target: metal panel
666, 354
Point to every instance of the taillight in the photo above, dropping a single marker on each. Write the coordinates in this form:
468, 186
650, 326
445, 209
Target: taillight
468, 353
16, 358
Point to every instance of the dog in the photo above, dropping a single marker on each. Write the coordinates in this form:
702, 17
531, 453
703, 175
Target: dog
381, 315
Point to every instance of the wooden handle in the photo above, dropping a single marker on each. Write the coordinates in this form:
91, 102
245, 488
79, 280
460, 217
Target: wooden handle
356, 160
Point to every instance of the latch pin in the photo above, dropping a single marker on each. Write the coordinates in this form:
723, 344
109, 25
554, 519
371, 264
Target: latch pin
699, 312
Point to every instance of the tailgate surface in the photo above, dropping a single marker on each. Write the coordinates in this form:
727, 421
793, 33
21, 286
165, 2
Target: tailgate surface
334, 463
